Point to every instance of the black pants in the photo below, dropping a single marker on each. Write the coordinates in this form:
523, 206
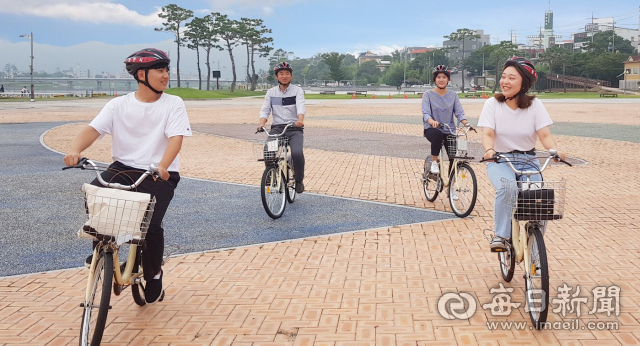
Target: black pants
153, 248
296, 143
437, 139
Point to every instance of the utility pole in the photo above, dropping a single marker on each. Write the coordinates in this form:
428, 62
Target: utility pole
30, 37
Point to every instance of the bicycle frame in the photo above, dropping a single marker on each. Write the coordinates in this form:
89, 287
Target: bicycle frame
283, 165
446, 178
125, 278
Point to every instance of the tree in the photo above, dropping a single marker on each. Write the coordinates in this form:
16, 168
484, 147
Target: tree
556, 56
334, 61
174, 16
462, 35
252, 34
196, 33
227, 31
394, 74
606, 41
500, 54
369, 72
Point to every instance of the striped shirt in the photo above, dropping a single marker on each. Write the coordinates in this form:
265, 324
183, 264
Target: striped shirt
441, 108
285, 106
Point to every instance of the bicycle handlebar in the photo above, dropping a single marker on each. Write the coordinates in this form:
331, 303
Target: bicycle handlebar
467, 128
264, 129
85, 163
553, 155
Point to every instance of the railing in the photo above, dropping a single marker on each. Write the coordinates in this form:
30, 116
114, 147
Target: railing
579, 81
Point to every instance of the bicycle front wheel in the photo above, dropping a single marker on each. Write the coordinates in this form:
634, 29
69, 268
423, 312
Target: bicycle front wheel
430, 181
507, 262
96, 308
273, 196
291, 184
537, 279
463, 190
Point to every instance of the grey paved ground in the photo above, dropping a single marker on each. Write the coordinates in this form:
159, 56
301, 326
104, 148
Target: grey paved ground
346, 141
40, 210
350, 141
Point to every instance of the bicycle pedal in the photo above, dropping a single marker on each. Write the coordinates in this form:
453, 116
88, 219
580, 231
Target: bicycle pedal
498, 250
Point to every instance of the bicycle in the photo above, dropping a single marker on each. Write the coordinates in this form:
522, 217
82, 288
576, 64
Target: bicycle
535, 202
461, 180
113, 222
278, 184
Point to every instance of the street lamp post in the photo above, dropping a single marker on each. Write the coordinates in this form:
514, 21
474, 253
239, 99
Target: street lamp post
482, 64
30, 37
404, 76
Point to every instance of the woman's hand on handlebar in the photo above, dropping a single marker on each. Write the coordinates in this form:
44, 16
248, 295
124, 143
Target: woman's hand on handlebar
433, 123
489, 155
561, 155
299, 123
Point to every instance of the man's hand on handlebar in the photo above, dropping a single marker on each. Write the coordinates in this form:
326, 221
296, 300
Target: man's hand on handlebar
71, 159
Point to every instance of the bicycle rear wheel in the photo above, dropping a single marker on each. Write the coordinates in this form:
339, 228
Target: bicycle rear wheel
537, 279
291, 184
95, 312
273, 197
463, 190
137, 290
430, 181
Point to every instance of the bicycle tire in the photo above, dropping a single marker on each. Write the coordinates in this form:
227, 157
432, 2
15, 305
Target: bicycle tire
429, 185
137, 290
291, 184
464, 183
538, 260
273, 199
103, 278
507, 260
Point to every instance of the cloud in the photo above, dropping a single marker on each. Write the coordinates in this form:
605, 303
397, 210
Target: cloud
267, 7
94, 11
379, 49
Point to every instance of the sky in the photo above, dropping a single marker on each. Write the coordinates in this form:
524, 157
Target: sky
99, 34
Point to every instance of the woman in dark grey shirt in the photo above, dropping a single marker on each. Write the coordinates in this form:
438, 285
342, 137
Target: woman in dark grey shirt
439, 106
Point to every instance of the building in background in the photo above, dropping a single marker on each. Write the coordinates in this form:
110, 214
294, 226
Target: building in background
631, 77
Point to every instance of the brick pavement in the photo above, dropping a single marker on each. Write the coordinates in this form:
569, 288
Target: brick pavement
374, 287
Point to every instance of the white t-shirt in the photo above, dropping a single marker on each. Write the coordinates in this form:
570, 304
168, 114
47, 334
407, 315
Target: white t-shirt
140, 130
515, 129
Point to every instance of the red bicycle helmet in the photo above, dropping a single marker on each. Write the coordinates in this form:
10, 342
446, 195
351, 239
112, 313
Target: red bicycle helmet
146, 59
282, 66
528, 72
441, 69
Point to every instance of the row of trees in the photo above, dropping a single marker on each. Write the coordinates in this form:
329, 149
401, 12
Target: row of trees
599, 61
345, 67
216, 31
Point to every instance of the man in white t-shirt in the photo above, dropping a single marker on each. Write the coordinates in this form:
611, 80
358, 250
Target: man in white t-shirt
147, 127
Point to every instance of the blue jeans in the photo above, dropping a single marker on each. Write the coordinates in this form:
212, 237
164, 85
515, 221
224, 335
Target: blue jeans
498, 172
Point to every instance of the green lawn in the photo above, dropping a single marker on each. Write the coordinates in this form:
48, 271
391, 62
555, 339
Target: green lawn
190, 94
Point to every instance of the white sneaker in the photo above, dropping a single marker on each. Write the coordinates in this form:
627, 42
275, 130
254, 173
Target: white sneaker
454, 196
435, 168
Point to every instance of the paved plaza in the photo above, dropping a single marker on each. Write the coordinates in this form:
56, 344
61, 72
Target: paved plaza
325, 274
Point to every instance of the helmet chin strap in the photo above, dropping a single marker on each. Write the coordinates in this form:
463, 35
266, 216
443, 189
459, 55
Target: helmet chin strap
146, 82
284, 84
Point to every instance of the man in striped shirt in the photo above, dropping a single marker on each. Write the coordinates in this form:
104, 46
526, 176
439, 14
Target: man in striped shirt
286, 103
